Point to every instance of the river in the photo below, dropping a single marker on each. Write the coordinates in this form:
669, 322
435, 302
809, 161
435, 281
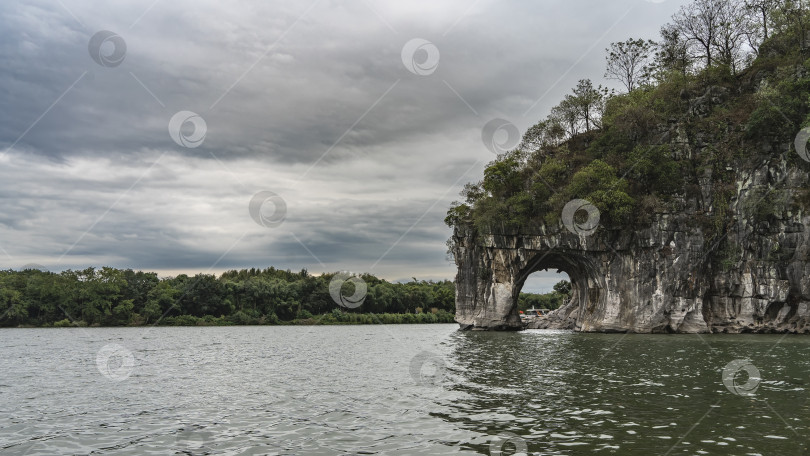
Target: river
399, 390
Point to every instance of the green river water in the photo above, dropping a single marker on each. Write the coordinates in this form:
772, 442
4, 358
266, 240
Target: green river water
400, 389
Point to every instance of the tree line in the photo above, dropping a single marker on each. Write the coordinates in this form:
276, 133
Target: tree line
118, 297
559, 296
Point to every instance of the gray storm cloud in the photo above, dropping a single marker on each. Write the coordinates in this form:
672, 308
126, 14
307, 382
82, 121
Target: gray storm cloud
309, 100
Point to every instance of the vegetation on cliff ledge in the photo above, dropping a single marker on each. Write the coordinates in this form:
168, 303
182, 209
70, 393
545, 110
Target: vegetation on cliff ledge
728, 83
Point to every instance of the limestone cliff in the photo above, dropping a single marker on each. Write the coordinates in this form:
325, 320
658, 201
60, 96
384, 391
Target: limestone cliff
662, 278
730, 255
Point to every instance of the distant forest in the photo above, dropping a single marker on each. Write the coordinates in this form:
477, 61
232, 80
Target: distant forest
554, 300
116, 297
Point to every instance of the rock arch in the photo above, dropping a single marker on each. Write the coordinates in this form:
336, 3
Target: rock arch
586, 276
665, 277
617, 284
493, 269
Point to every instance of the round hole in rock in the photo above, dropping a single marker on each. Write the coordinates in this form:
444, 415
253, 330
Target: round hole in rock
544, 290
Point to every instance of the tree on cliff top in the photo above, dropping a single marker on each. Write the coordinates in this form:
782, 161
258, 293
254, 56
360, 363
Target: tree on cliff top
628, 62
724, 31
699, 23
633, 167
762, 10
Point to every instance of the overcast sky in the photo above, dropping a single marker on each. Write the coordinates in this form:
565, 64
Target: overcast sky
313, 101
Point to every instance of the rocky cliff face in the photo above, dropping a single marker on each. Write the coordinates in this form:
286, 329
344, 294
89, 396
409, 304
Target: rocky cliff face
670, 275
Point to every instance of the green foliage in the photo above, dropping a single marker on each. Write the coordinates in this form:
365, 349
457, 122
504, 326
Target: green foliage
765, 204
781, 104
550, 301
629, 62
457, 214
352, 318
729, 257
113, 297
654, 171
672, 56
598, 183
720, 219
503, 177
632, 116
563, 287
702, 115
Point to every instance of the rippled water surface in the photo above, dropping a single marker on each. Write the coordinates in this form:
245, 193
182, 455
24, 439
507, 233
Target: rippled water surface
410, 390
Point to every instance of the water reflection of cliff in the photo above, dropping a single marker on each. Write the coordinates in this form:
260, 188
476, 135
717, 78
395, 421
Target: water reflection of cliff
570, 393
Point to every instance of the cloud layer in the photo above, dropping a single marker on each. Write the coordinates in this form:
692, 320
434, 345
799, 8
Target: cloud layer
309, 100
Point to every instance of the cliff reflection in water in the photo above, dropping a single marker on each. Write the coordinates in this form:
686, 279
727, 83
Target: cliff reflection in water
569, 393
398, 389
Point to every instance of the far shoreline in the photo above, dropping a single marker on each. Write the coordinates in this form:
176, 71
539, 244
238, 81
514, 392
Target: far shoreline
287, 325
329, 319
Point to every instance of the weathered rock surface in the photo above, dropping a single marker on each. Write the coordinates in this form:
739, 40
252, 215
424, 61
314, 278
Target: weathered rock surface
667, 276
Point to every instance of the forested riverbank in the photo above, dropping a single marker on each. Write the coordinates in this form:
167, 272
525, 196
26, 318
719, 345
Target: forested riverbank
123, 297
